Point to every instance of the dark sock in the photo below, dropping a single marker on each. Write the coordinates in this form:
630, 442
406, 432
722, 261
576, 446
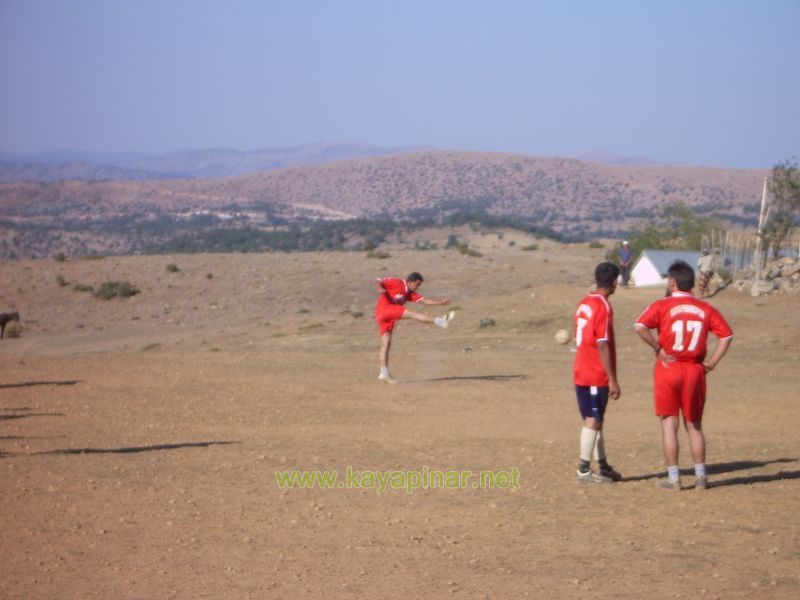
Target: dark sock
583, 466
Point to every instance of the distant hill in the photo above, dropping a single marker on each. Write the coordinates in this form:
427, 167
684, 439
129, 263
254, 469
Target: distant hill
186, 164
63, 171
577, 199
609, 158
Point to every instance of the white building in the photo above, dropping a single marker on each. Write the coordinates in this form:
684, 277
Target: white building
651, 266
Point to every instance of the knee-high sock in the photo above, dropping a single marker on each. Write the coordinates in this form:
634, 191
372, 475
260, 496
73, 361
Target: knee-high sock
599, 447
588, 439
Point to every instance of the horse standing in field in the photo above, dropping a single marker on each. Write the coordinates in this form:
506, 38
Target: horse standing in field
5, 319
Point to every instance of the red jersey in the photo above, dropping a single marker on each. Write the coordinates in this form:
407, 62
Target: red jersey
396, 291
683, 323
594, 323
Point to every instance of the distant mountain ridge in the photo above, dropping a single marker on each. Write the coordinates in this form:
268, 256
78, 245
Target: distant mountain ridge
64, 171
577, 197
185, 164
609, 158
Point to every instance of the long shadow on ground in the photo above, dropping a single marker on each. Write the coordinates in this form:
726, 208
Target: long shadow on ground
26, 415
132, 449
739, 465
472, 378
33, 383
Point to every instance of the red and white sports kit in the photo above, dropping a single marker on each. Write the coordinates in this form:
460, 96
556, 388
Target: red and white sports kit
390, 304
683, 323
594, 322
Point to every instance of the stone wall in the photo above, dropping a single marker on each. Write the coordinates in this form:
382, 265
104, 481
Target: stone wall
780, 276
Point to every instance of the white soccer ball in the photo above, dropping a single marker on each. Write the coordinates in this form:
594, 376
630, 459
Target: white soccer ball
563, 336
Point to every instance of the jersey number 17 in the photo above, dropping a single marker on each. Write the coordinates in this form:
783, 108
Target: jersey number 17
681, 329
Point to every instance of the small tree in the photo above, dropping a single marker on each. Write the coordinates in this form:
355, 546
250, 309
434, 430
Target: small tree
675, 227
784, 186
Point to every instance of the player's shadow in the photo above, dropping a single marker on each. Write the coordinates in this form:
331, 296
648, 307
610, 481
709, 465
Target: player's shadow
35, 383
30, 414
728, 467
30, 437
135, 449
473, 378
780, 475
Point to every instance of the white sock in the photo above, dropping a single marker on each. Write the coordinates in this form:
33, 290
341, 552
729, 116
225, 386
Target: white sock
700, 470
588, 438
599, 447
673, 472
384, 371
440, 321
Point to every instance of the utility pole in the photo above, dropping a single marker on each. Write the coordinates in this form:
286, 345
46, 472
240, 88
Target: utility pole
761, 219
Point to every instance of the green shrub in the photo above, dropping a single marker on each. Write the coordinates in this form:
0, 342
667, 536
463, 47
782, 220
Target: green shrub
464, 249
530, 247
60, 257
452, 241
61, 281
80, 287
596, 244
172, 268
13, 330
115, 289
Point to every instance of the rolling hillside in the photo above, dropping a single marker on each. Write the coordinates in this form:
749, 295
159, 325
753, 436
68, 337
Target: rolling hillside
576, 198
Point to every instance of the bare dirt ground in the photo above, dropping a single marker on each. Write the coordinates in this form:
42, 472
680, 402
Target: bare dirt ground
139, 438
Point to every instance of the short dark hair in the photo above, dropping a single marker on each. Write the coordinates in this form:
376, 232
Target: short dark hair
683, 274
415, 277
605, 274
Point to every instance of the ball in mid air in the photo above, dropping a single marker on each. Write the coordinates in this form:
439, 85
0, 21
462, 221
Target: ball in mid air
563, 336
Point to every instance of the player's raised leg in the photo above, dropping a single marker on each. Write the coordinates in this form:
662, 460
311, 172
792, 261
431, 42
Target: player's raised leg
422, 317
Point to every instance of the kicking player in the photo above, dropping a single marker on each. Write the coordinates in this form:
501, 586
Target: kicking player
394, 293
679, 380
595, 372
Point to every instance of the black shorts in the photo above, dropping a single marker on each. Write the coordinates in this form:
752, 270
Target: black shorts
592, 401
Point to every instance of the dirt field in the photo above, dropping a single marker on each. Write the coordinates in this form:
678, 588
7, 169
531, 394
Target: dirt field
139, 438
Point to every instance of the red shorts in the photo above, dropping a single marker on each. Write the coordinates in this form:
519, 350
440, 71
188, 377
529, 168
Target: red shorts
680, 387
387, 315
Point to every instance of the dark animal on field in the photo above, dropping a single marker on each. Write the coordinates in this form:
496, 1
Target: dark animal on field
5, 318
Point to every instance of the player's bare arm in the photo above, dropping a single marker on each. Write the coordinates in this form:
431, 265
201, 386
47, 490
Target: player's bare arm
432, 302
614, 391
722, 348
649, 339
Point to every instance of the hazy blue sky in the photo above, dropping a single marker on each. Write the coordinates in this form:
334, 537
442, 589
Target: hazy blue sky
692, 81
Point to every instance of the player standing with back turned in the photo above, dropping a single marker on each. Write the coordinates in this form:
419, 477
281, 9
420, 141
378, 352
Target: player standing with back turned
595, 372
679, 379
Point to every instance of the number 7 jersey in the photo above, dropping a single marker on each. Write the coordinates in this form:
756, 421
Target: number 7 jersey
683, 323
594, 324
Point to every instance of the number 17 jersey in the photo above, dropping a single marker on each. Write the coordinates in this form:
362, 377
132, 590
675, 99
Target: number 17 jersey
683, 323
